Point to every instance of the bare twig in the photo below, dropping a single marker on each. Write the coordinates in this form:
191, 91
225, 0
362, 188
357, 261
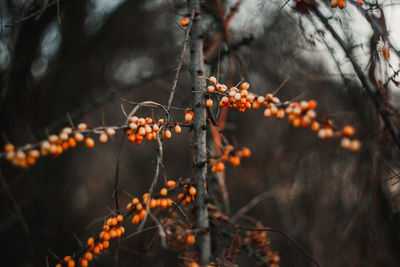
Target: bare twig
34, 14
18, 213
252, 204
178, 68
372, 92
269, 229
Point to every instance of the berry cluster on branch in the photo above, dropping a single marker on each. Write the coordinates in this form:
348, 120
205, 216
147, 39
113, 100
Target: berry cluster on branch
137, 208
299, 113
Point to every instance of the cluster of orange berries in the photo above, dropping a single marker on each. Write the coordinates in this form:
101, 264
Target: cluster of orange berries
54, 145
188, 195
113, 228
162, 201
299, 113
239, 99
342, 3
144, 128
137, 130
218, 164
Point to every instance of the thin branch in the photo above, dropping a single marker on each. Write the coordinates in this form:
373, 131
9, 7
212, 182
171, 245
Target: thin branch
178, 68
257, 199
372, 92
269, 229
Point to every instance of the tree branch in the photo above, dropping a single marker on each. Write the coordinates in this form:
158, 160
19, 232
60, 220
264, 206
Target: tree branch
199, 124
372, 92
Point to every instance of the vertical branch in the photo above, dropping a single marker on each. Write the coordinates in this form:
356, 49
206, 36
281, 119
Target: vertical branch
199, 123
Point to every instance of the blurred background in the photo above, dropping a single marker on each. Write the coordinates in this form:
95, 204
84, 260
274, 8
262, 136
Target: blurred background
82, 57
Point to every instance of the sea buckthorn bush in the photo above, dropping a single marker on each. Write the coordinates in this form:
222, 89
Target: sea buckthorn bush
216, 136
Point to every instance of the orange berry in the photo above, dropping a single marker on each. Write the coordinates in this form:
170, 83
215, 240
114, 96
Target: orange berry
360, 2
209, 103
89, 256
113, 233
135, 201
246, 152
149, 120
192, 191
132, 137
315, 126
213, 80
106, 236
345, 143
167, 134
110, 131
348, 130
153, 203
120, 218
184, 21
220, 166
181, 195
191, 239
171, 183
141, 131
114, 221
334, 3
67, 258
274, 109
103, 138
96, 250
106, 244
280, 114
79, 137
164, 203
267, 113
178, 129
234, 161
142, 214
245, 86
322, 134
139, 206
163, 191
188, 117
72, 142
71, 263
82, 126
355, 145
136, 219
341, 4
9, 148
296, 122
90, 241
84, 263
312, 104
211, 89
89, 142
